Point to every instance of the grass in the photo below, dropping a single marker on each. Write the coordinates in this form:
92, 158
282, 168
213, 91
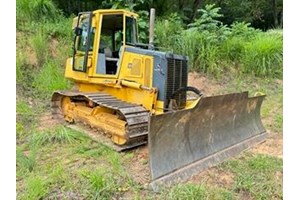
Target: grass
101, 184
214, 48
272, 107
40, 46
263, 55
26, 162
258, 175
23, 108
194, 192
35, 10
58, 134
49, 79
59, 163
36, 188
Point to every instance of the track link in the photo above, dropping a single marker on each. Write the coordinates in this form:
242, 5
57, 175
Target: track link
136, 116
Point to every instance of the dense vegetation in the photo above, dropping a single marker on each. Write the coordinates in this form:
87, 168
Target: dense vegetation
226, 39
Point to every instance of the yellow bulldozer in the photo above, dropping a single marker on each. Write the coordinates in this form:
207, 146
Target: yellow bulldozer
138, 95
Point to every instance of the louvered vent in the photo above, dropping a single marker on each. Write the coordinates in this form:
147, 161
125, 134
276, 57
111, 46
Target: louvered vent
176, 79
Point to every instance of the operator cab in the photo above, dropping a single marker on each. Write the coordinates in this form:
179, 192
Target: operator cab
99, 41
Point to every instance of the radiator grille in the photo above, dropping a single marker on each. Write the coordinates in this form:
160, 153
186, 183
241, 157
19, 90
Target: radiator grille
176, 79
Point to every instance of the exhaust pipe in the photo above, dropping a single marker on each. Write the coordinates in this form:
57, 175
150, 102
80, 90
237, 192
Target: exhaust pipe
151, 29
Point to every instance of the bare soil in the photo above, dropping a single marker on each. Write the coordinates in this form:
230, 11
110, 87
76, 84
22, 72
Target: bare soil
214, 177
272, 146
204, 84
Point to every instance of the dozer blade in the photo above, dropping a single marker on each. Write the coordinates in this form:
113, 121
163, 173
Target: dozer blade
186, 142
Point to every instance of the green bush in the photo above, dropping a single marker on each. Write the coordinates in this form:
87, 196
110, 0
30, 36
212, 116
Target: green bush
213, 47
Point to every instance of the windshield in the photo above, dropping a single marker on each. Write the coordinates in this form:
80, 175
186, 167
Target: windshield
131, 31
82, 39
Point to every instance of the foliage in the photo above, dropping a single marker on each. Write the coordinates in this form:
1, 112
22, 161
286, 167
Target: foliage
36, 10
213, 47
168, 31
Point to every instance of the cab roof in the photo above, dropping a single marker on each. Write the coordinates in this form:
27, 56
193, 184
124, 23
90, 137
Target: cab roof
116, 11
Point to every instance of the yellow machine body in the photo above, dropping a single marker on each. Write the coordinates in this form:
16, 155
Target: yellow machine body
125, 72
136, 94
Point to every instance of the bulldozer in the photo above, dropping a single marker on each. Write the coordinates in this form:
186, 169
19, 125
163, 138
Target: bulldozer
137, 95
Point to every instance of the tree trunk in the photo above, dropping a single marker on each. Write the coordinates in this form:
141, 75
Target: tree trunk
196, 5
274, 11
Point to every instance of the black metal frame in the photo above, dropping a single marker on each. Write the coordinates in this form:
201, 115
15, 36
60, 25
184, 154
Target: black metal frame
88, 43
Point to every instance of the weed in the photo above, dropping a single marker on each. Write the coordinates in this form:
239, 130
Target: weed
19, 129
278, 122
49, 79
100, 150
40, 46
60, 28
92, 151
256, 175
21, 61
101, 184
36, 188
193, 192
59, 134
25, 116
36, 10
26, 162
24, 109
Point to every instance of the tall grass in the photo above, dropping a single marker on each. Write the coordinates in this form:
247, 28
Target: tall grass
59, 134
40, 46
35, 10
213, 47
263, 56
48, 79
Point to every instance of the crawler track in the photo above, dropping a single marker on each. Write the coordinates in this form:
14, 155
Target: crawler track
136, 116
